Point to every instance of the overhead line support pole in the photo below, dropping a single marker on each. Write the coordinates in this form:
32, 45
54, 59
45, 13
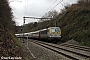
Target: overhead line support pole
31, 18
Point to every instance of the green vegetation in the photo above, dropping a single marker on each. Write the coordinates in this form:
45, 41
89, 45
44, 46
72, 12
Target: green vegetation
18, 43
74, 22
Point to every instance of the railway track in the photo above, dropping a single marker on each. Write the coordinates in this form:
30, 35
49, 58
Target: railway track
84, 48
71, 54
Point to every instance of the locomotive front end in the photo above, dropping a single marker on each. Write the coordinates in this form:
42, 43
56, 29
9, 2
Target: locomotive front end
55, 32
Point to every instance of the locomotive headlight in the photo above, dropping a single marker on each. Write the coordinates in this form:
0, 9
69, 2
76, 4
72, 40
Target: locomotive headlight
50, 36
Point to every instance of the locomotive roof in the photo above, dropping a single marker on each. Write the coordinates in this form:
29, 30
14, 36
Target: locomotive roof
47, 28
53, 27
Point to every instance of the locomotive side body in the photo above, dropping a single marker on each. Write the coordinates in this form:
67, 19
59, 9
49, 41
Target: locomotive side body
50, 33
44, 33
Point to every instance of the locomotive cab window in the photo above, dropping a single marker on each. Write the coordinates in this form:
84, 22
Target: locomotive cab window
55, 30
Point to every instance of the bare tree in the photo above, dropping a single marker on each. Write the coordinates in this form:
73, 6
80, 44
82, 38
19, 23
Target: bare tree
50, 14
6, 15
83, 0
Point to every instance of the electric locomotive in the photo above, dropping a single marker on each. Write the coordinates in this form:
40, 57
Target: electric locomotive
50, 33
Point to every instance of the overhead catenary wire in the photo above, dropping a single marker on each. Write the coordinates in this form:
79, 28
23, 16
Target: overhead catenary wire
26, 6
51, 6
54, 6
57, 4
32, 6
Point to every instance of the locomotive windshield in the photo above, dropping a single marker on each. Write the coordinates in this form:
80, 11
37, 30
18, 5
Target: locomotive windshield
55, 30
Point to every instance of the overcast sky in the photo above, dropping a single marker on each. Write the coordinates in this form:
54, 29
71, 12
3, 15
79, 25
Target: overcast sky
34, 8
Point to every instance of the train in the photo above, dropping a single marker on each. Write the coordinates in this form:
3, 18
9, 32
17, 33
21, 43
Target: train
51, 33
